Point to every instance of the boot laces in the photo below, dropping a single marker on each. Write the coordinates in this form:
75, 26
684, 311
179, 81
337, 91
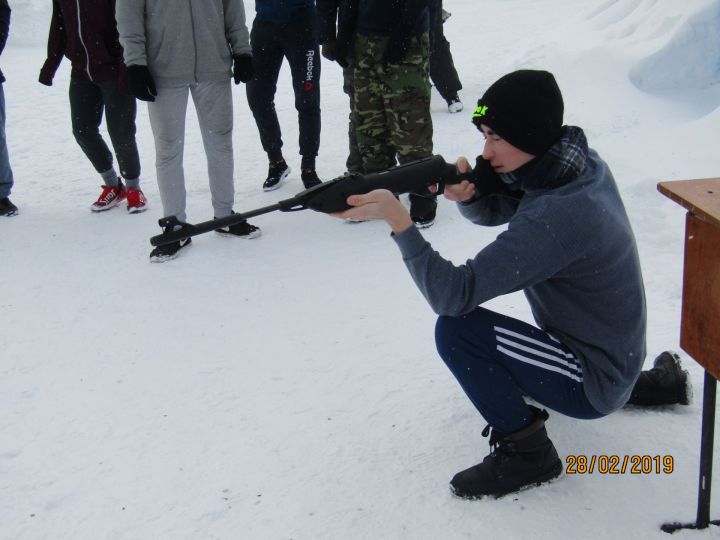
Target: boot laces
502, 448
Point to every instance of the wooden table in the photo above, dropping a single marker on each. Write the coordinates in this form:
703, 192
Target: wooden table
700, 320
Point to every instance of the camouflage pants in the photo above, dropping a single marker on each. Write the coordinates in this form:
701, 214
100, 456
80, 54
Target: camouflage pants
354, 161
392, 103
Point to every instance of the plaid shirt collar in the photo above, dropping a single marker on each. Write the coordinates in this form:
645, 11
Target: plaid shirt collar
561, 164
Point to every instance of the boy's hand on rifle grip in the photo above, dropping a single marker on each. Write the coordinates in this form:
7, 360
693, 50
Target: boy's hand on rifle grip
378, 204
464, 191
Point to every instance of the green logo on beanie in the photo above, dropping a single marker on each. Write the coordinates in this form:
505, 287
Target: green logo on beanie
480, 111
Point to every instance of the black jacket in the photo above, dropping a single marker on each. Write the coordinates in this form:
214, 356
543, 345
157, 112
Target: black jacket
281, 11
4, 29
337, 19
387, 17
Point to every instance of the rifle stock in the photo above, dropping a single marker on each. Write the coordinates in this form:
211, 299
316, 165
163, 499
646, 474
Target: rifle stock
330, 197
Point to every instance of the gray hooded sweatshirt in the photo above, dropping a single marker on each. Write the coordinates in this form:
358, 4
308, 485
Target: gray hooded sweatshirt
571, 250
183, 41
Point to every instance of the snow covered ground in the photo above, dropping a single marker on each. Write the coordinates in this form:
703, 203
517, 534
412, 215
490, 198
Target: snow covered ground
289, 387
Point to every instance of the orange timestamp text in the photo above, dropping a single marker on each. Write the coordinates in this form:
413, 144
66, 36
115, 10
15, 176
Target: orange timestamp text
616, 464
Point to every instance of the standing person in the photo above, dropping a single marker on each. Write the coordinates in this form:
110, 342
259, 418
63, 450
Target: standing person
392, 90
331, 14
85, 32
442, 68
286, 29
570, 248
209, 45
7, 208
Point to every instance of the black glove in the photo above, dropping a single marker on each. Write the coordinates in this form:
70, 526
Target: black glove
488, 182
397, 49
141, 83
243, 68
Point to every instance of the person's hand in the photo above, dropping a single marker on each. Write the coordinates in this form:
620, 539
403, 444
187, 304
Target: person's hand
464, 191
243, 68
328, 49
378, 204
141, 82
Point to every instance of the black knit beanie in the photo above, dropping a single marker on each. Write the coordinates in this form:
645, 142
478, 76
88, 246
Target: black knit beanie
525, 108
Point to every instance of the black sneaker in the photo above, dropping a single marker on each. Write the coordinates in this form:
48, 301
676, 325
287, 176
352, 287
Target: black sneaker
7, 208
277, 172
455, 105
168, 251
423, 209
240, 230
310, 178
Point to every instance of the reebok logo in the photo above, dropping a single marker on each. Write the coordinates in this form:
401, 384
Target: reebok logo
310, 70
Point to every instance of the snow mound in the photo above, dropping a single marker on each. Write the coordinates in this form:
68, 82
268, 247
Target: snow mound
689, 60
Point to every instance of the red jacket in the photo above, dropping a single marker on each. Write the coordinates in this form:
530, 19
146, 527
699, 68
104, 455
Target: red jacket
86, 32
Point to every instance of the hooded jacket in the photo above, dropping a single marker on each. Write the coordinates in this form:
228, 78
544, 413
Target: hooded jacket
183, 41
85, 32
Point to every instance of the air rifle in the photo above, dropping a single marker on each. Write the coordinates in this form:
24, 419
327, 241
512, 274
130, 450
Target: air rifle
330, 196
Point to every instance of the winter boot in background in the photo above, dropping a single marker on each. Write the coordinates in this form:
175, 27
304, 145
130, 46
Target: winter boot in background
277, 172
665, 384
524, 458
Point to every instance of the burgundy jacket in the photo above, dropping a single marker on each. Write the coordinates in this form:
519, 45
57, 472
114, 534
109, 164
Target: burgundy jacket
89, 39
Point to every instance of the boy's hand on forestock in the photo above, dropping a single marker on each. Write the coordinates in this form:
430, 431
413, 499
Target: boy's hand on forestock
378, 204
464, 191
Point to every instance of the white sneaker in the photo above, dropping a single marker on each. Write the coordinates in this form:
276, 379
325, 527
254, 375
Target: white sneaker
455, 105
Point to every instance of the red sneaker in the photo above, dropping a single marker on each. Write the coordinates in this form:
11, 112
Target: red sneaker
109, 197
136, 201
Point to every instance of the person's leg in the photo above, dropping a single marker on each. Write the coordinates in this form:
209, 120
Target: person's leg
442, 68
213, 103
120, 113
268, 57
86, 111
498, 360
354, 161
407, 103
407, 106
167, 120
300, 46
371, 128
6, 174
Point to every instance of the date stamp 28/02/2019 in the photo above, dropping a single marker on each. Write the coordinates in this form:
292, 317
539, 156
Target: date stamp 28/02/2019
616, 464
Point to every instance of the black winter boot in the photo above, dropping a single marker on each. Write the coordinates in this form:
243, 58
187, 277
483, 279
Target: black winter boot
665, 384
517, 460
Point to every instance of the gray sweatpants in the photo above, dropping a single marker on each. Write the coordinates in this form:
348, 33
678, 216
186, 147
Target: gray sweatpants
213, 103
